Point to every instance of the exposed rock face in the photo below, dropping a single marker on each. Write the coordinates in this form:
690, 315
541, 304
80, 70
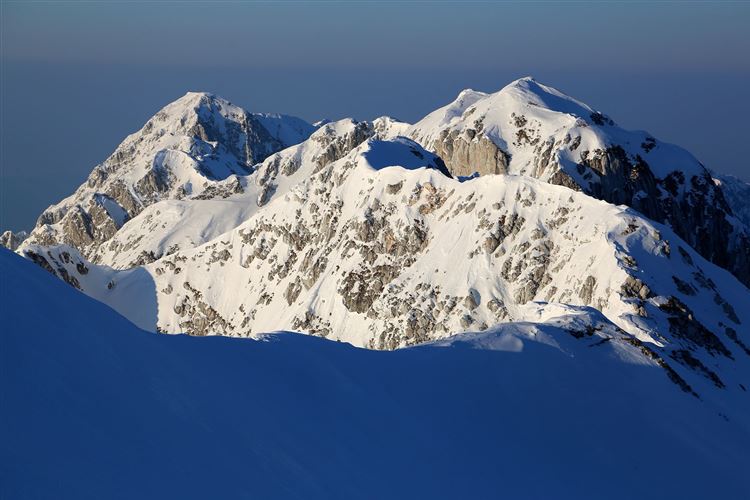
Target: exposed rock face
530, 129
694, 208
469, 152
184, 151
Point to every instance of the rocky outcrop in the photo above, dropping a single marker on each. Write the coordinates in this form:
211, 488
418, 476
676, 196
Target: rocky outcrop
329, 143
467, 152
695, 208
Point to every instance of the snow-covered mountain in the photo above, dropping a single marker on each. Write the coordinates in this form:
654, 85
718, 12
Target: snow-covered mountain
360, 234
382, 248
588, 273
531, 129
202, 147
566, 406
196, 147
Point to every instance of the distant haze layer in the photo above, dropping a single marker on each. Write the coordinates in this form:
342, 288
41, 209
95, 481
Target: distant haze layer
76, 78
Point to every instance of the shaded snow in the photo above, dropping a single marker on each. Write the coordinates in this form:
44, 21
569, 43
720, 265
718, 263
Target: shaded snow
400, 152
94, 408
737, 195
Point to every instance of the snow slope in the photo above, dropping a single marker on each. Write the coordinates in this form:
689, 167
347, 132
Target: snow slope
95, 408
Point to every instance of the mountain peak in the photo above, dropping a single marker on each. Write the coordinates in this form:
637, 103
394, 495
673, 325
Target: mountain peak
468, 96
518, 81
527, 90
195, 100
190, 145
196, 97
199, 94
467, 92
204, 105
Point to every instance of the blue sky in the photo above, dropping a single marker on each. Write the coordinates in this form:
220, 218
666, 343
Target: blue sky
77, 77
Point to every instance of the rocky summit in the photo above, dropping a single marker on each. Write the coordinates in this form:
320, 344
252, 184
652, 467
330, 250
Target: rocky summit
512, 207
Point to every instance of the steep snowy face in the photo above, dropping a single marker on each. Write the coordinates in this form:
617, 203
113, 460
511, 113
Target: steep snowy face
531, 129
381, 248
195, 146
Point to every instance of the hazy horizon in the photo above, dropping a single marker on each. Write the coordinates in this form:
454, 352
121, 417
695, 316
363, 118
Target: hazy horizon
77, 78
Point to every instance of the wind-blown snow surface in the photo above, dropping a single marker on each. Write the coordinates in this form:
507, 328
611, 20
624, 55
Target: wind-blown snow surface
95, 408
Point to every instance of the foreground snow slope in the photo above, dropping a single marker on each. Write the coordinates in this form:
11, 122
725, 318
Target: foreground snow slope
95, 408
